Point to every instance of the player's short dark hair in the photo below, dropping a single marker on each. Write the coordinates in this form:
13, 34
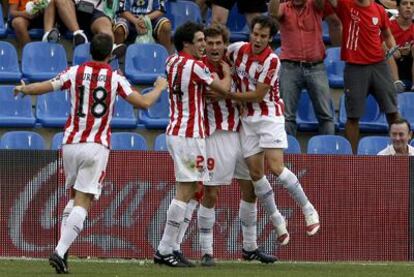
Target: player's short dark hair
398, 3
265, 21
185, 33
402, 121
217, 30
101, 46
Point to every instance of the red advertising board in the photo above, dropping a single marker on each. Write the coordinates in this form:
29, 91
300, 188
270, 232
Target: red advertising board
363, 204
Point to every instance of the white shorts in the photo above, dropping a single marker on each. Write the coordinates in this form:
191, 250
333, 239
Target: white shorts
225, 159
189, 155
85, 165
258, 133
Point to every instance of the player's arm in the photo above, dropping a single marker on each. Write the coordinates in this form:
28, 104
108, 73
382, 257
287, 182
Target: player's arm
274, 9
334, 3
145, 101
33, 89
388, 38
319, 4
251, 96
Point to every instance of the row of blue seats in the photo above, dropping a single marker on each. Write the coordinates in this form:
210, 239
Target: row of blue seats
42, 61
320, 144
53, 109
28, 140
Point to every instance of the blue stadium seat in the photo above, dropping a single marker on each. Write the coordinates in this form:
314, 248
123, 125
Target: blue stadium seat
238, 27
9, 63
123, 115
305, 115
81, 54
128, 141
57, 141
293, 146
412, 142
156, 116
372, 145
334, 67
372, 121
178, 12
278, 50
160, 143
145, 62
43, 60
15, 111
22, 140
53, 109
329, 144
406, 106
3, 30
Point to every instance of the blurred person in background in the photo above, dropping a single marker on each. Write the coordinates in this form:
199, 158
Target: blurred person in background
400, 134
365, 27
23, 19
86, 18
131, 18
302, 63
402, 28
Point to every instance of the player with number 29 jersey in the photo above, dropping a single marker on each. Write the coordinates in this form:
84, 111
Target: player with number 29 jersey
93, 87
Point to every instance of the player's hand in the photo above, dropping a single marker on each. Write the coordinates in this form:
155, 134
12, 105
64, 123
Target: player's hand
140, 25
214, 95
19, 89
397, 54
405, 50
161, 83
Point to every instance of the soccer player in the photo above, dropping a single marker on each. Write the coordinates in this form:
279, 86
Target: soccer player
225, 160
263, 135
93, 88
188, 78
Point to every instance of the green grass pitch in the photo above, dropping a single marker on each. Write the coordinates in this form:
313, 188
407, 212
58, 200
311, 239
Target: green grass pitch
123, 268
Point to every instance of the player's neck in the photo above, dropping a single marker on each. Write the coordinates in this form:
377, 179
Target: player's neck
402, 150
101, 62
404, 22
363, 3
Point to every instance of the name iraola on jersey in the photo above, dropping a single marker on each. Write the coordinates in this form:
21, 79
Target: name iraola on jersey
94, 78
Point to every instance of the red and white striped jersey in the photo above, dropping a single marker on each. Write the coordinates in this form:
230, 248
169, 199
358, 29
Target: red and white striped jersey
223, 114
93, 88
187, 79
250, 69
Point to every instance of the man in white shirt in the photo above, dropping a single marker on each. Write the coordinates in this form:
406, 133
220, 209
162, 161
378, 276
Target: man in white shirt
400, 134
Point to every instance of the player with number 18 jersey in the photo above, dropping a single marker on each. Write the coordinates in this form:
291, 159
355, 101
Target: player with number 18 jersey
93, 87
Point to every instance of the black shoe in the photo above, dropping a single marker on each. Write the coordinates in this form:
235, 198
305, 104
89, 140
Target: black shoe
119, 51
58, 263
180, 257
169, 259
79, 38
208, 260
52, 36
258, 255
65, 260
